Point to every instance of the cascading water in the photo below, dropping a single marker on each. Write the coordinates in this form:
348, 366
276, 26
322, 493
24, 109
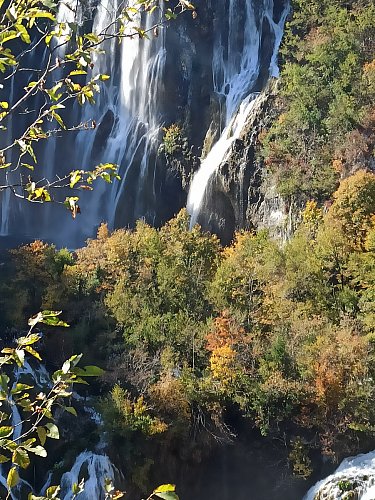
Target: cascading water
41, 378
194, 72
127, 108
354, 478
95, 469
235, 74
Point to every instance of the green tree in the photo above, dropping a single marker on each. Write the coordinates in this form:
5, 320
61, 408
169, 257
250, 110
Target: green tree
326, 95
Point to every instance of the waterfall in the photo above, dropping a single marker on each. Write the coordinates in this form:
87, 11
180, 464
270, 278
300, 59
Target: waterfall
94, 469
126, 112
193, 72
216, 156
42, 379
235, 74
354, 478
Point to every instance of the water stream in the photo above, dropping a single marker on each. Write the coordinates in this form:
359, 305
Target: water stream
235, 74
94, 467
354, 479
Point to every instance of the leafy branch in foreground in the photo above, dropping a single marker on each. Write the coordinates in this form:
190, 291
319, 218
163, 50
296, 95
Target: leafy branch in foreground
26, 415
165, 491
65, 73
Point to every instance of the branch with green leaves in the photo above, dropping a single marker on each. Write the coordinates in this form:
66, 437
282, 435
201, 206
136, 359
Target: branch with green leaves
26, 414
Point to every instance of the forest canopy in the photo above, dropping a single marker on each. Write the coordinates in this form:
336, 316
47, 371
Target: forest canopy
189, 331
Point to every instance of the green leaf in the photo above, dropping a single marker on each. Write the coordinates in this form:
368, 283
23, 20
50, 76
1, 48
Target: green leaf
45, 14
4, 459
52, 431
25, 37
52, 491
13, 478
33, 352
21, 458
3, 416
57, 106
168, 495
75, 177
53, 92
75, 359
5, 431
166, 492
20, 387
30, 339
8, 444
92, 37
71, 410
27, 165
4, 381
89, 371
38, 450
78, 488
165, 487
51, 318
169, 14
77, 72
59, 120
49, 4
19, 355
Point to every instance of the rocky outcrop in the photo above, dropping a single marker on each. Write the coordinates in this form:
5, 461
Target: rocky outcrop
243, 194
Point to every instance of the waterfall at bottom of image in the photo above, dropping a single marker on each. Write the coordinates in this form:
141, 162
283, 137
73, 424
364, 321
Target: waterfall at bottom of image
354, 479
95, 469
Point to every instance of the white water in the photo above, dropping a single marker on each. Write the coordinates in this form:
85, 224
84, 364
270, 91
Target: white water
42, 379
133, 101
94, 469
133, 106
234, 76
359, 471
136, 68
216, 156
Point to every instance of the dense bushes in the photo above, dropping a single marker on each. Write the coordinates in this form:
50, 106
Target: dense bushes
188, 330
324, 127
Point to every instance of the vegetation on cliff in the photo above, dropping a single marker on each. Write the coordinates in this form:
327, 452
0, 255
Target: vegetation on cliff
324, 129
190, 331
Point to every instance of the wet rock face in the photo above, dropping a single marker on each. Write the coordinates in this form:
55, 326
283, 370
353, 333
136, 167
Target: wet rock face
238, 195
239, 192
242, 194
